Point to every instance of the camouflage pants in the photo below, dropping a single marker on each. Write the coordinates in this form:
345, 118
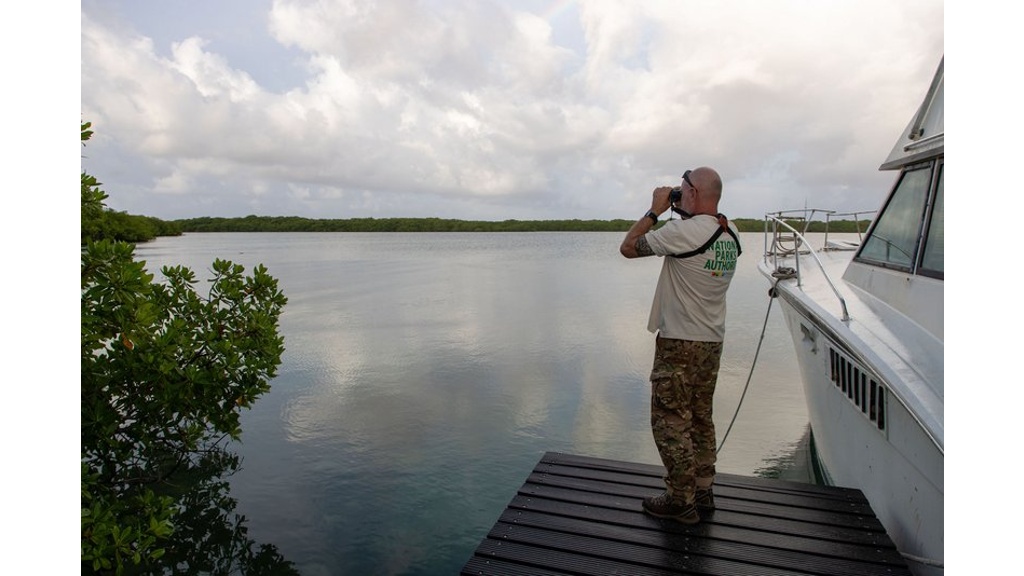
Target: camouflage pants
682, 390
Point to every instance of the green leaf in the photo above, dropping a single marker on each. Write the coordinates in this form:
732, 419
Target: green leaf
165, 371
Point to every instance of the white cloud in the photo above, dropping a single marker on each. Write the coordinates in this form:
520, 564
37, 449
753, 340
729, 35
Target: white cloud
459, 108
210, 73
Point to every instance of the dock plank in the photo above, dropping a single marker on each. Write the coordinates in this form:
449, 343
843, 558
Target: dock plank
581, 515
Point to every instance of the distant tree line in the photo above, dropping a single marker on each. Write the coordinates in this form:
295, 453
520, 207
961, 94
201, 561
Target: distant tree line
297, 224
254, 223
123, 227
101, 223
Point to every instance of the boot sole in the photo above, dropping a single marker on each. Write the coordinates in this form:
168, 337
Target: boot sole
684, 519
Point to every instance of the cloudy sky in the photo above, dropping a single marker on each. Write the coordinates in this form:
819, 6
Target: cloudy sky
491, 109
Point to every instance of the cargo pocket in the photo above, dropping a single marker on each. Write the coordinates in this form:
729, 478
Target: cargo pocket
665, 390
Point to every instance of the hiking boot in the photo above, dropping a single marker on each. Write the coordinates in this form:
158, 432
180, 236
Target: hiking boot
705, 500
666, 506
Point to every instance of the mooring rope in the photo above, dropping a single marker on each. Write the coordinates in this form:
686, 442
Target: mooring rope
764, 328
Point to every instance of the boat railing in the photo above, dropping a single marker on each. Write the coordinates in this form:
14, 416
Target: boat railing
830, 214
787, 241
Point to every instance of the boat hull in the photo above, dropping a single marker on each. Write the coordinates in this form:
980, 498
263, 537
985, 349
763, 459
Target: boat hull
868, 330
865, 437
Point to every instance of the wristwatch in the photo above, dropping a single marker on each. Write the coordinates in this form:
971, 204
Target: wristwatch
654, 217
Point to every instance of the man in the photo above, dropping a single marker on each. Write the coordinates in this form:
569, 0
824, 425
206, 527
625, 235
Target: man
688, 315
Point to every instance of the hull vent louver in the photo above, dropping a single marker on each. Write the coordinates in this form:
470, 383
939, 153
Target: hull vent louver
864, 392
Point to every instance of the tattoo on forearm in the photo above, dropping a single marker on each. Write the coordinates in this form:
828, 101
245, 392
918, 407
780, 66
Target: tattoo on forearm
642, 247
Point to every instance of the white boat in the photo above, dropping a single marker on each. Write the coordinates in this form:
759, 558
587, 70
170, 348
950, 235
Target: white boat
867, 324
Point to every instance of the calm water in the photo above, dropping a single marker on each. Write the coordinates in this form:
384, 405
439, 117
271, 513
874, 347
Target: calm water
425, 375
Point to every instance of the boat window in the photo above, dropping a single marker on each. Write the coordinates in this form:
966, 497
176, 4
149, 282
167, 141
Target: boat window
893, 240
931, 262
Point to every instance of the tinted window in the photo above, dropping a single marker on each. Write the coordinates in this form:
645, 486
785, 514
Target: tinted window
933, 248
894, 237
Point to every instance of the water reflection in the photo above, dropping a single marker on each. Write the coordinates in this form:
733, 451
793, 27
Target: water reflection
425, 375
210, 537
793, 462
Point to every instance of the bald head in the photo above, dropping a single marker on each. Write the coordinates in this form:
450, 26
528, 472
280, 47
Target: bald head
708, 186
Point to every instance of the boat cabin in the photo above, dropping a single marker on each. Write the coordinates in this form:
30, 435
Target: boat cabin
901, 258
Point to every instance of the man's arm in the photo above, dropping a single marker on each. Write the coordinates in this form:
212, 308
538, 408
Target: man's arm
635, 244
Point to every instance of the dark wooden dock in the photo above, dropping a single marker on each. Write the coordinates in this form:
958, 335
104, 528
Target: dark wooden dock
580, 515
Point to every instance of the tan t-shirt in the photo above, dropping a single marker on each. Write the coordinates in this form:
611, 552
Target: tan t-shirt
689, 302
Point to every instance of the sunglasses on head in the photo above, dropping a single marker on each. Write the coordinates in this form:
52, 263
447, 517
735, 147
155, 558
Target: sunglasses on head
686, 178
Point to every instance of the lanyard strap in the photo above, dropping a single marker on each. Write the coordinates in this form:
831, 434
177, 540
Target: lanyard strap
723, 226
